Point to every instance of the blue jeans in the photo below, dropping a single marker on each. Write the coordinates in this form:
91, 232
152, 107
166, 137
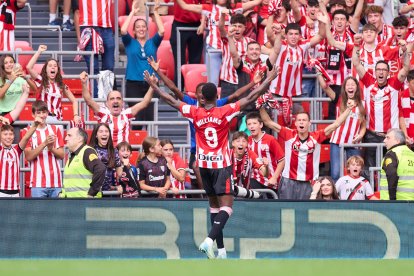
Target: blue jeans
108, 57
336, 161
46, 192
308, 85
213, 63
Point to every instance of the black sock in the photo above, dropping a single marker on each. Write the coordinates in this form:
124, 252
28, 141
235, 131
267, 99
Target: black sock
216, 232
219, 238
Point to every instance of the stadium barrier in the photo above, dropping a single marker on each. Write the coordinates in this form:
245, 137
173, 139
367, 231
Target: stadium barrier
172, 229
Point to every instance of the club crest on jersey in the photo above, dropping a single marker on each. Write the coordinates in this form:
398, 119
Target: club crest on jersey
162, 168
264, 147
212, 158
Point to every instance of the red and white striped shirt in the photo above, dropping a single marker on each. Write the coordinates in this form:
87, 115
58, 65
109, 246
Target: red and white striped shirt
290, 62
406, 108
302, 158
119, 125
386, 35
243, 168
8, 9
345, 63
319, 50
266, 147
370, 58
251, 68
45, 169
179, 165
351, 127
212, 133
10, 167
382, 103
212, 12
52, 96
95, 13
227, 72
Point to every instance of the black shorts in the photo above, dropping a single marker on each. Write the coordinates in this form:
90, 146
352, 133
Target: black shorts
217, 181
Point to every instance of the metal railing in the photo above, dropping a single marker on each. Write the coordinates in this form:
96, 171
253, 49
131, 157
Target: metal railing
42, 27
30, 22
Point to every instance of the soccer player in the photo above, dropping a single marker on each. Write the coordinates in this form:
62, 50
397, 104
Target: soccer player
354, 186
302, 152
381, 97
43, 151
265, 146
213, 156
10, 158
113, 113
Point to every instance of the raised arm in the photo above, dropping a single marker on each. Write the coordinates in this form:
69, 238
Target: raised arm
267, 121
356, 18
402, 74
86, 94
251, 4
406, 9
297, 15
190, 7
356, 62
135, 9
325, 87
269, 32
259, 90
239, 92
29, 133
328, 33
33, 61
145, 102
233, 50
339, 121
319, 36
158, 20
221, 25
151, 80
277, 45
169, 83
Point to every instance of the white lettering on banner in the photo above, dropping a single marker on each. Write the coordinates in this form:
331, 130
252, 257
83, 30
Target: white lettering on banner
166, 241
363, 217
249, 247
200, 227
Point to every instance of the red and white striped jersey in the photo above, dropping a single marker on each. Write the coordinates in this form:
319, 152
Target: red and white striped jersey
10, 167
351, 127
6, 38
302, 157
370, 58
227, 72
319, 50
119, 125
350, 188
212, 12
345, 63
382, 103
266, 147
290, 62
386, 35
251, 69
8, 9
212, 133
45, 169
95, 13
180, 165
243, 168
52, 96
406, 109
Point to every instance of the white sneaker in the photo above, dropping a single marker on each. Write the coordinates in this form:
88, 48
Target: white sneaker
222, 255
207, 249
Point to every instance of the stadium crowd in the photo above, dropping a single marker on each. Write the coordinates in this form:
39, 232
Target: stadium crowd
359, 51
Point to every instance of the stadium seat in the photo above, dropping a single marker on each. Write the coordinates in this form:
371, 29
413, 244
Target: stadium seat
325, 110
136, 137
75, 86
193, 77
67, 111
166, 58
185, 68
167, 21
325, 153
134, 157
23, 46
26, 114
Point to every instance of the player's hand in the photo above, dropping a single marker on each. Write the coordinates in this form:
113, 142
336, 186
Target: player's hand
84, 77
42, 48
357, 138
258, 76
154, 64
135, 7
150, 79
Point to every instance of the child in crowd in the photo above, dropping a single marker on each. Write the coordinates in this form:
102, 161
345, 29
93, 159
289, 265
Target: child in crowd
353, 186
153, 171
129, 175
324, 188
52, 87
177, 167
101, 141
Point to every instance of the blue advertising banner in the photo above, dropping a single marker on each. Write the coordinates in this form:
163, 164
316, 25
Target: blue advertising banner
174, 228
